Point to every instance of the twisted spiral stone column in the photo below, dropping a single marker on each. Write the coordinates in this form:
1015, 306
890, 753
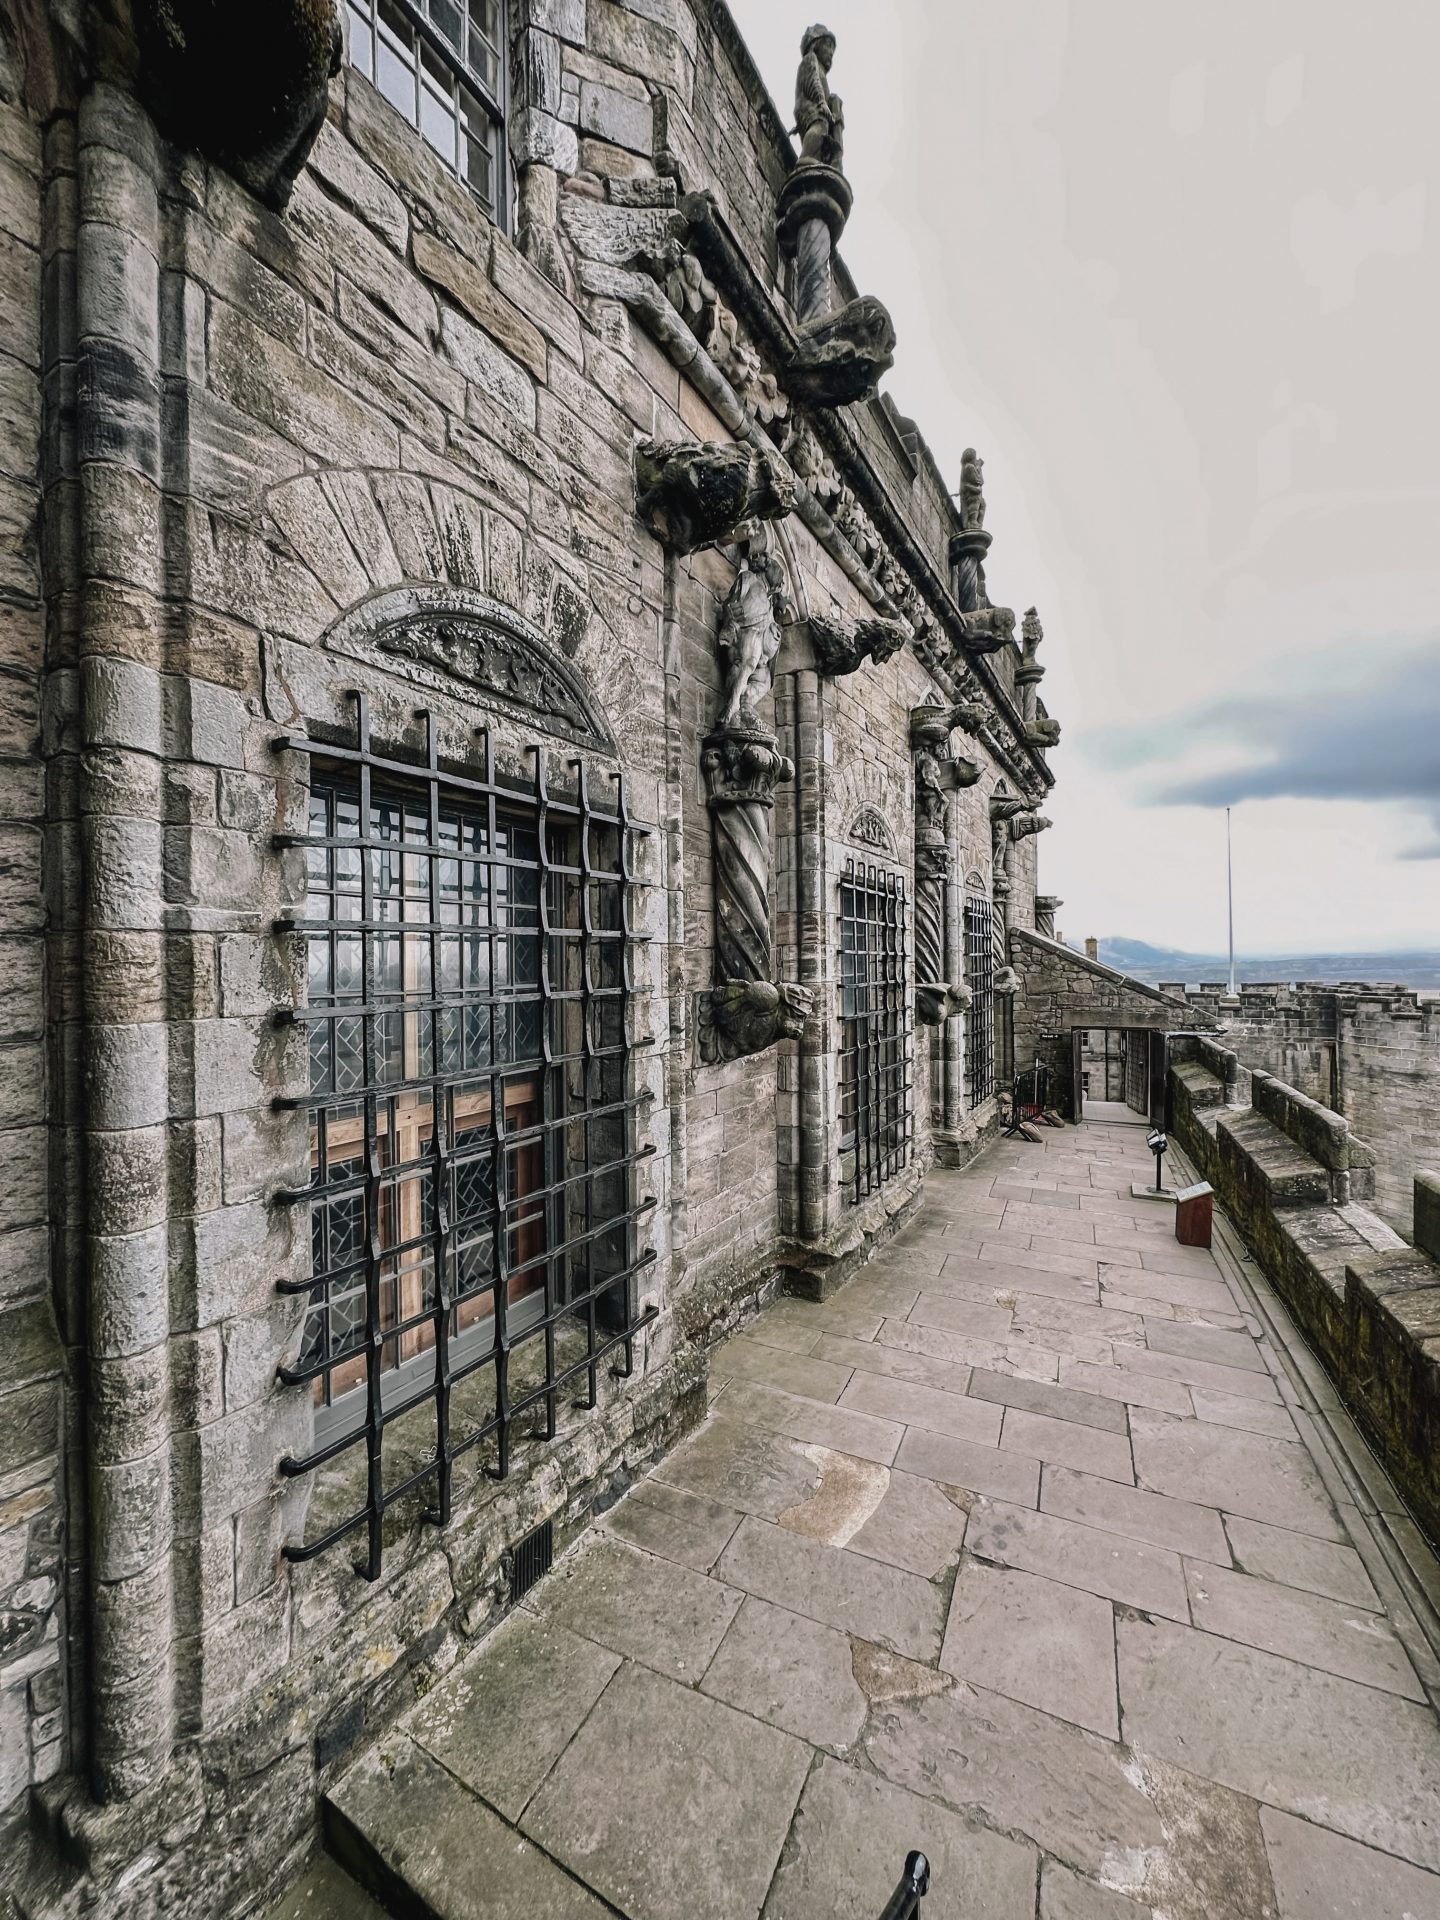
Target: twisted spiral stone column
932, 870
812, 271
742, 768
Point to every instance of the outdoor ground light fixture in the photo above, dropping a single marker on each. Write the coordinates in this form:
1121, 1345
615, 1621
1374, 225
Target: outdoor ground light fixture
1157, 1144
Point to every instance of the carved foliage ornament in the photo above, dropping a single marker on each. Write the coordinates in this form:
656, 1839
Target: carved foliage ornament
449, 636
247, 86
694, 297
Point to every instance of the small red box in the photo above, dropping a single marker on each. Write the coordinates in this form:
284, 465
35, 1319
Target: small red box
1194, 1214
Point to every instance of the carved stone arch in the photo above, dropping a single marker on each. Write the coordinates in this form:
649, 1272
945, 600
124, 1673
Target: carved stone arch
456, 640
870, 829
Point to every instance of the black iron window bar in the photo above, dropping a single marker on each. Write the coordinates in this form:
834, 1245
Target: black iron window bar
980, 978
876, 1121
471, 945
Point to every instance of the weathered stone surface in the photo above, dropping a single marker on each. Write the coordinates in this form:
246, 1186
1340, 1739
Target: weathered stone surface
1164, 1522
1247, 1473
502, 1719
1300, 1560
1359, 1761
1121, 1569
1320, 1633
675, 1524
652, 1610
402, 1821
791, 1671
850, 1839
842, 1590
1319, 1876
737, 1780
1035, 1641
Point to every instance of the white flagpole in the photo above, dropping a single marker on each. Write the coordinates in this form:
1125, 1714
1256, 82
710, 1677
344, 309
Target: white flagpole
1230, 897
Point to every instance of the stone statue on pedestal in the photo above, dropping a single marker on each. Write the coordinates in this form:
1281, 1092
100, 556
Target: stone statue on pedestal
972, 490
819, 115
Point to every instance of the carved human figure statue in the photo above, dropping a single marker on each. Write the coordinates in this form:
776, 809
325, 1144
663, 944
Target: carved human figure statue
972, 489
819, 115
748, 637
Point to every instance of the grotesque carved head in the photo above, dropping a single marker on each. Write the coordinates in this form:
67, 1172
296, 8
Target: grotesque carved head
793, 1009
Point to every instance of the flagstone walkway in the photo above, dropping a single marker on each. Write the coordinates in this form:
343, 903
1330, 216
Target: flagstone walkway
1017, 1551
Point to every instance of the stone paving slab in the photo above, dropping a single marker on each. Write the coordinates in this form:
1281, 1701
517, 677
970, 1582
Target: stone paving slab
909, 1404
895, 1363
1066, 1896
848, 1429
501, 1721
1162, 1521
668, 1802
791, 1671
750, 1359
1247, 1473
1346, 1756
962, 1316
1300, 1560
1233, 1410
1034, 1641
1236, 1381
1205, 1343
653, 1610
851, 1835
1137, 1574
1302, 1626
1319, 1876
1068, 1443
845, 1590
675, 1524
958, 1349
1059, 1403
1133, 1389
917, 1526
421, 1831
957, 1463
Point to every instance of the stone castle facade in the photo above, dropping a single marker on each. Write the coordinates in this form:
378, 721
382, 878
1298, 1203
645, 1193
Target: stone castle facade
520, 830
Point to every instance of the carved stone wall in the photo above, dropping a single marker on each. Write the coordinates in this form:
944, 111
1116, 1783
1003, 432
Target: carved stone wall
379, 444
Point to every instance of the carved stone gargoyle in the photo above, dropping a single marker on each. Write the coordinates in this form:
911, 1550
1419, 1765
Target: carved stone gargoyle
841, 646
1006, 981
1043, 732
742, 1017
1024, 824
935, 1003
987, 629
695, 493
247, 86
840, 357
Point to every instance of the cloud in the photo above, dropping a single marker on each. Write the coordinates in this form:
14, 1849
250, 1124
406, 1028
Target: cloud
1324, 738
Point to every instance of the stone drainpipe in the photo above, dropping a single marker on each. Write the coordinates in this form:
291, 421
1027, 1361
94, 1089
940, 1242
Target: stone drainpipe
126, 1065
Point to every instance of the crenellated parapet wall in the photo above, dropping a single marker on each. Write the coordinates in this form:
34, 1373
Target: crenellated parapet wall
1295, 1181
1370, 1052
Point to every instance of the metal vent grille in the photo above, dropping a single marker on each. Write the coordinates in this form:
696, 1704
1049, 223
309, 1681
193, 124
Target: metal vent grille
531, 1559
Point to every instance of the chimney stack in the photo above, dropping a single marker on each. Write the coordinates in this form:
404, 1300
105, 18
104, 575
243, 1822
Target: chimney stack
1092, 949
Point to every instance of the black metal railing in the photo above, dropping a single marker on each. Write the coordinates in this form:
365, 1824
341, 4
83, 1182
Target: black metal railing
904, 1903
471, 945
876, 1120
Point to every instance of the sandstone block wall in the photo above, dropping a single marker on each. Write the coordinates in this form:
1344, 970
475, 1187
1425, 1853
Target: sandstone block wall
1372, 1053
235, 435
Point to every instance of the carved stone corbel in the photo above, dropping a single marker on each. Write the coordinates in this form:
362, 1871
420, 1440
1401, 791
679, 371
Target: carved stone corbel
987, 629
1025, 824
747, 1016
696, 493
246, 86
1043, 732
840, 357
842, 646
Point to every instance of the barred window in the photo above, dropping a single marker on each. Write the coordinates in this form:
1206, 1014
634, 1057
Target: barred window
875, 1107
980, 978
441, 63
470, 946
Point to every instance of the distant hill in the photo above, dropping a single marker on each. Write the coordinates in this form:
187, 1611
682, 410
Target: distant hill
1419, 969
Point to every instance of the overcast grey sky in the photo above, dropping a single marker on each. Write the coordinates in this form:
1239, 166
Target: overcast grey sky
1172, 266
